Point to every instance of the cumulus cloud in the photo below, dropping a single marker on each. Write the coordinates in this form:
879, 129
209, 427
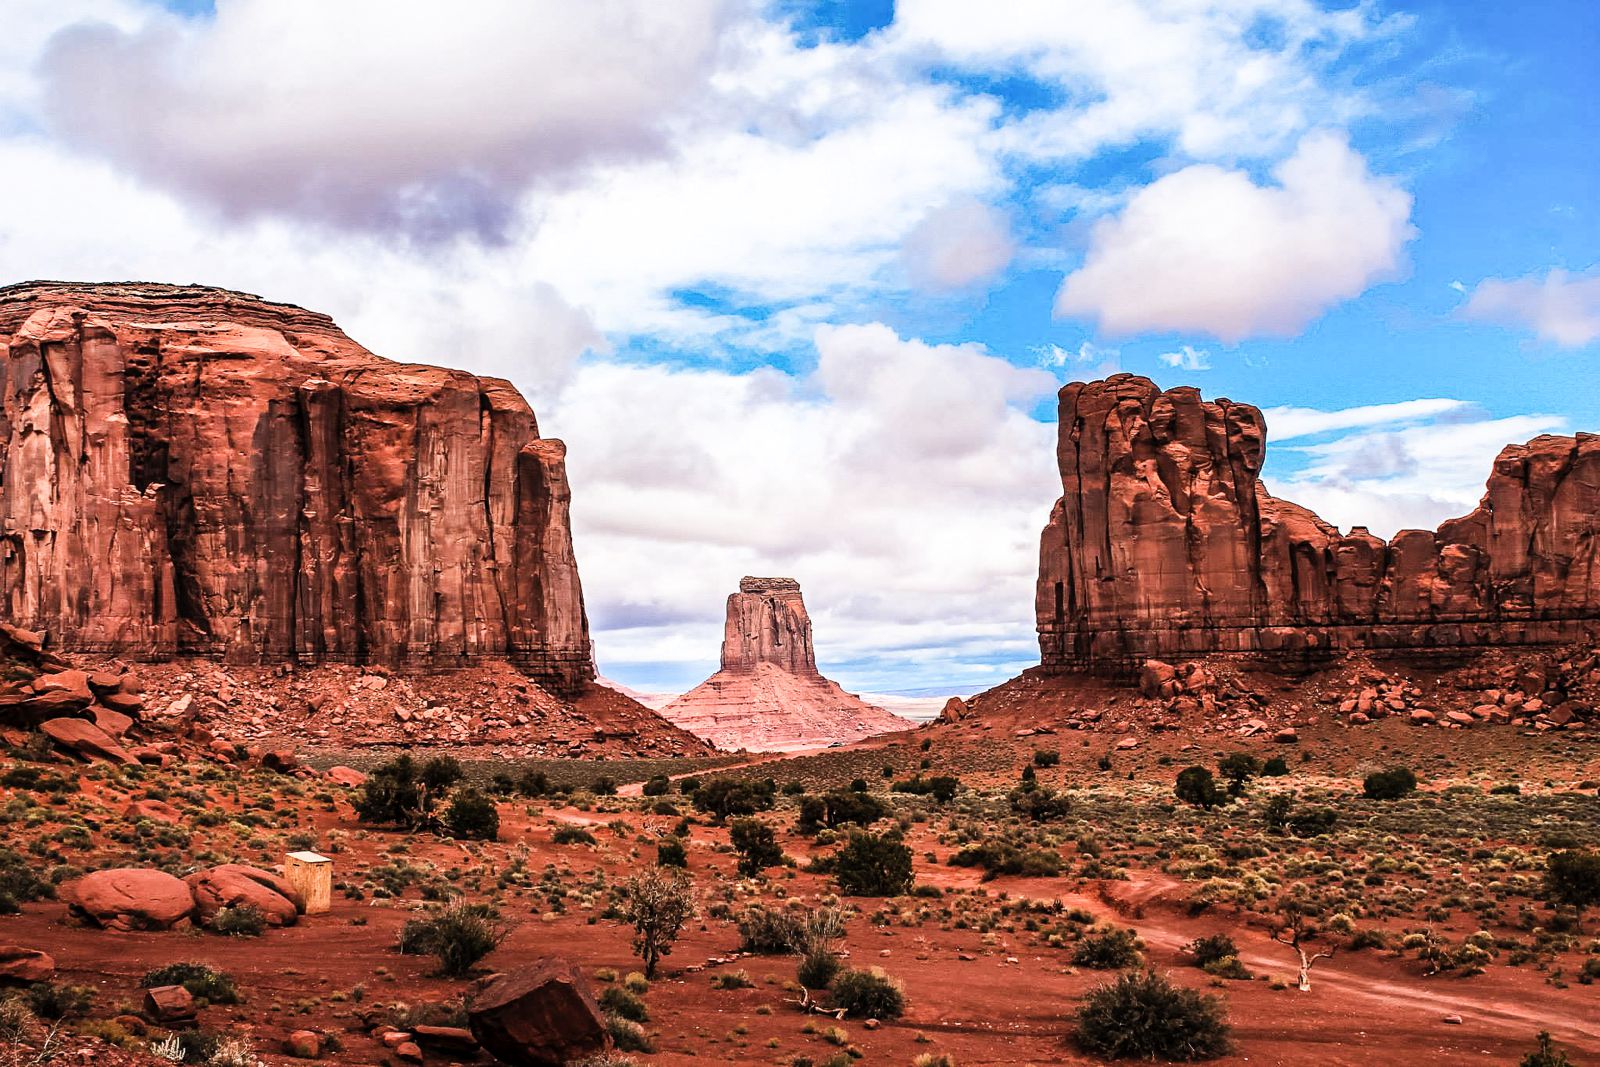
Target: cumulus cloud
959, 243
1206, 249
1408, 465
1561, 308
376, 113
903, 483
1187, 358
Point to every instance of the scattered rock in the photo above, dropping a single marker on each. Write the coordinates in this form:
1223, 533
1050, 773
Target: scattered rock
303, 1045
83, 738
169, 1004
18, 964
540, 1015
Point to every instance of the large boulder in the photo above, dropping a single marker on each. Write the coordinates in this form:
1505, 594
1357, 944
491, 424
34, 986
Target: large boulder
130, 898
19, 964
233, 884
83, 738
541, 1015
30, 709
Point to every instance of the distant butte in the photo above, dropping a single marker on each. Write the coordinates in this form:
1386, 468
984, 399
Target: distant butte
1165, 544
769, 695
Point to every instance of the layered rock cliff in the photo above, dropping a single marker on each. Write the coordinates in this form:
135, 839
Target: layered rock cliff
1165, 543
188, 470
769, 695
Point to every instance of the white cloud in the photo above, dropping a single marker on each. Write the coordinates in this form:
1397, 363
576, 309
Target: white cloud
1287, 423
1085, 363
1207, 250
381, 113
960, 243
1187, 358
902, 483
1560, 307
1413, 473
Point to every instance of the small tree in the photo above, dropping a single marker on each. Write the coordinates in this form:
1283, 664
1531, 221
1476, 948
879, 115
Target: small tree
1546, 1055
1391, 784
1197, 786
659, 903
1238, 769
1145, 1016
873, 865
472, 815
1296, 927
670, 853
756, 845
726, 797
404, 793
1572, 877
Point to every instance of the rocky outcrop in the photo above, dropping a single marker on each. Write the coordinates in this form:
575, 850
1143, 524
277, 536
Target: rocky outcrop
1166, 544
769, 695
542, 1014
191, 470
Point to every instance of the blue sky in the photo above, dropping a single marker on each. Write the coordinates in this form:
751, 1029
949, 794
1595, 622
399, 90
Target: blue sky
797, 281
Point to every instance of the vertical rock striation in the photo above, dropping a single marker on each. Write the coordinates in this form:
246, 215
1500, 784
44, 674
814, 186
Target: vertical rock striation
188, 470
769, 695
1165, 543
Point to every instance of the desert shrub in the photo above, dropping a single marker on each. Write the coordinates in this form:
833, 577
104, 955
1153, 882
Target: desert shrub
873, 865
404, 793
1107, 948
1238, 769
658, 903
817, 941
817, 970
756, 845
769, 932
603, 786
532, 783
1312, 820
670, 853
202, 982
1572, 877
868, 994
18, 882
472, 816
619, 1001
1039, 804
1197, 786
1218, 955
50, 1001
1142, 1015
239, 920
458, 934
1276, 767
628, 1035
942, 787
999, 857
838, 808
568, 834
1546, 1055
657, 785
1046, 757
1391, 784
725, 797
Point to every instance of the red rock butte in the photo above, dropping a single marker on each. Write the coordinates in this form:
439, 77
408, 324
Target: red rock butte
769, 695
189, 470
1166, 544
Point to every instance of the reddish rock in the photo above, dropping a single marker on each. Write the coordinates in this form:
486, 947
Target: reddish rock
154, 810
541, 1015
769, 695
74, 681
130, 898
448, 1038
18, 964
233, 884
282, 760
193, 470
112, 722
30, 709
84, 738
1165, 543
169, 1004
303, 1045
125, 703
342, 775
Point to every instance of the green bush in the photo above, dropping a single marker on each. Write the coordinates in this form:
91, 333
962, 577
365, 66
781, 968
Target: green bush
531, 783
1238, 769
1218, 955
18, 883
670, 853
1572, 877
458, 934
472, 816
1039, 803
1046, 757
50, 1001
404, 793
873, 865
839, 808
568, 834
1391, 784
1144, 1016
756, 845
1276, 767
657, 785
1000, 858
1546, 1055
239, 920
768, 931
201, 981
1198, 787
726, 797
868, 994
1107, 948
619, 1001
628, 1035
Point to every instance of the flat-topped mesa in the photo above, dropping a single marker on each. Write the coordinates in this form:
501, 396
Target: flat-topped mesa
767, 623
1166, 544
769, 695
189, 470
